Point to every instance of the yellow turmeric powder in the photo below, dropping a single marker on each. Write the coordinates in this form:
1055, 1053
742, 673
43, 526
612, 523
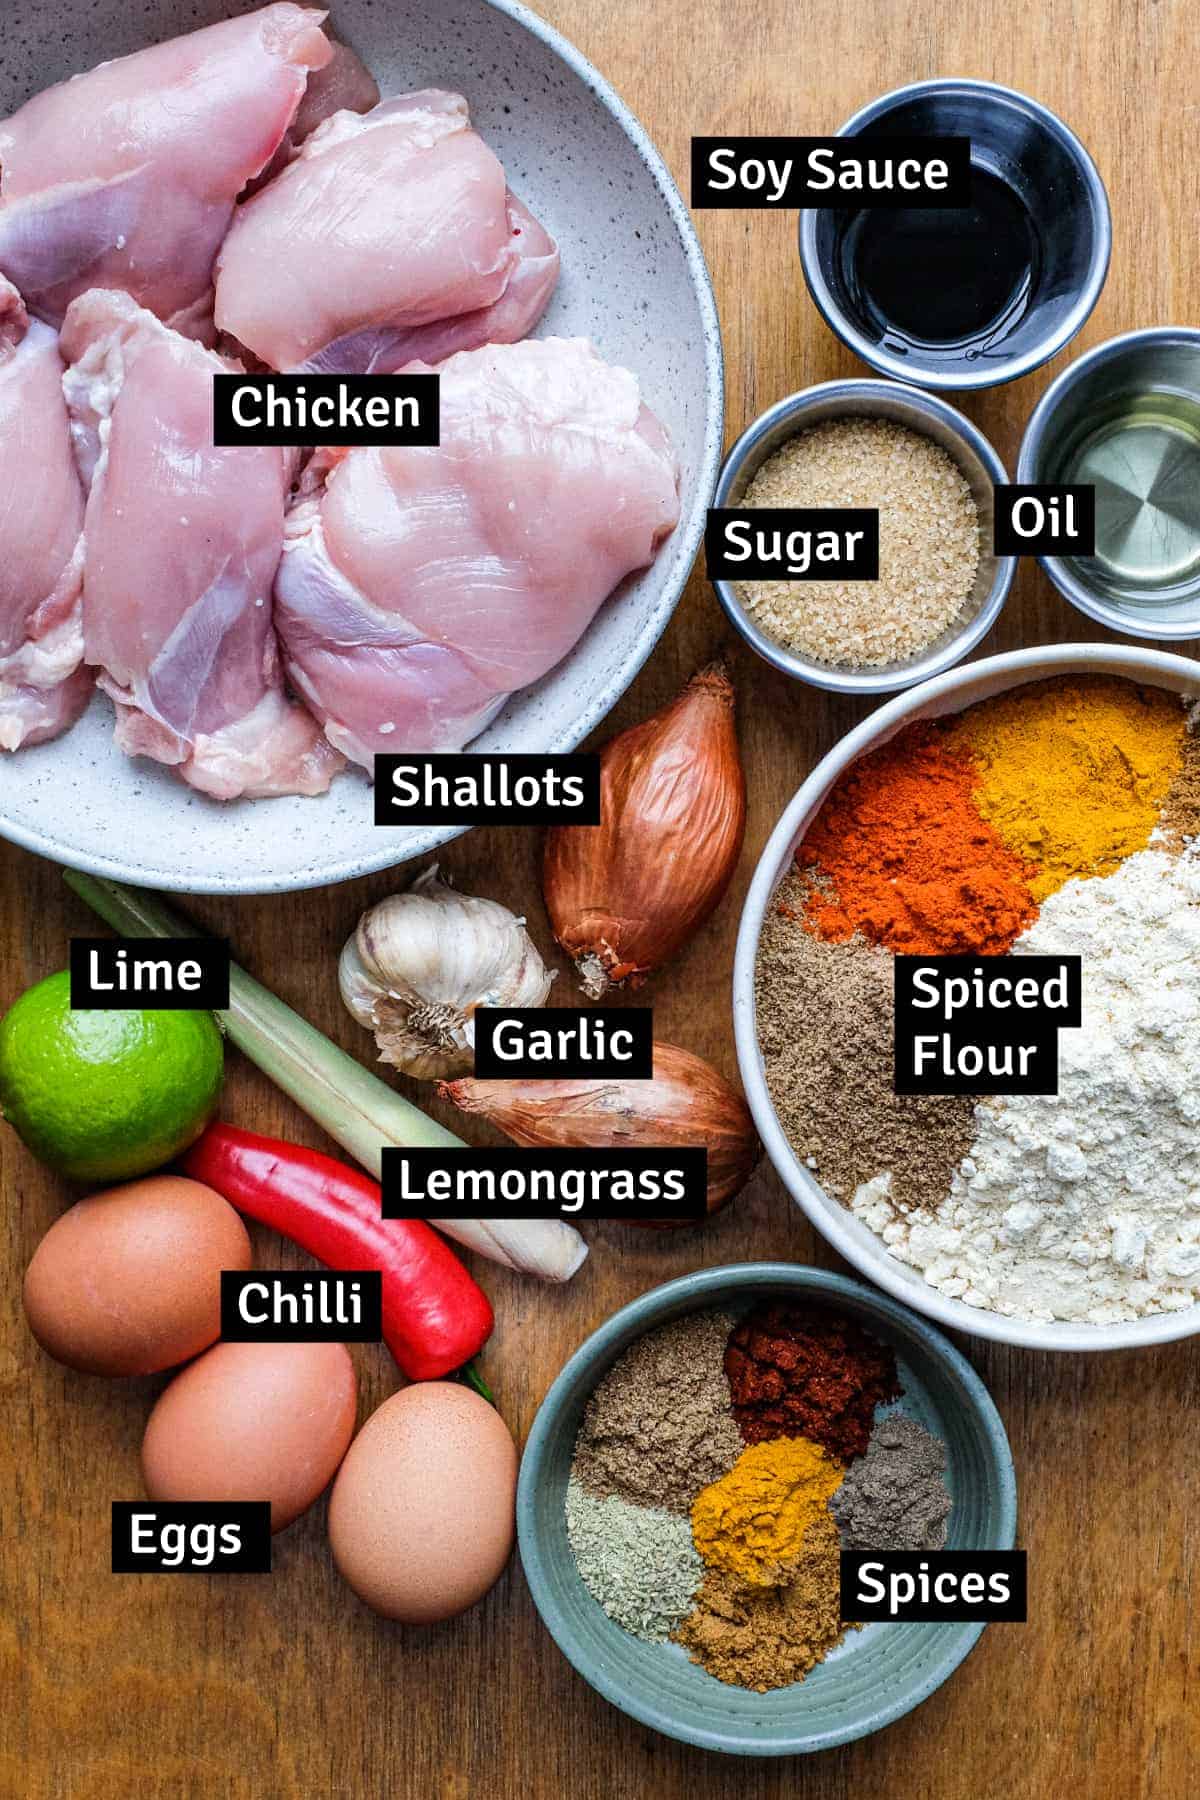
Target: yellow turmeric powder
752, 1522
1072, 774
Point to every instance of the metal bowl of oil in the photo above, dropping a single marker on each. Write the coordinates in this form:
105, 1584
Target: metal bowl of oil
1125, 419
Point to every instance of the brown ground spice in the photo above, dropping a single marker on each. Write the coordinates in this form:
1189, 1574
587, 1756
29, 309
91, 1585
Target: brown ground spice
825, 1019
1180, 818
764, 1638
658, 1428
797, 1372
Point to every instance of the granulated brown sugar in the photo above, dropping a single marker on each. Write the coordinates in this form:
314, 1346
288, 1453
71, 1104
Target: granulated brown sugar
929, 543
825, 1015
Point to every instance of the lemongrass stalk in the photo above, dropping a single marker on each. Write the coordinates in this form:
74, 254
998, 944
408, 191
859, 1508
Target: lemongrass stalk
354, 1106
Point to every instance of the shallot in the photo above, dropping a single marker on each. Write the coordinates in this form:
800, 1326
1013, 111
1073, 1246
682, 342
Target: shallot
686, 1103
625, 895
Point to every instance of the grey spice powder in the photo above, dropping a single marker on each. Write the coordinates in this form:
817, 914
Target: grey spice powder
659, 1426
895, 1497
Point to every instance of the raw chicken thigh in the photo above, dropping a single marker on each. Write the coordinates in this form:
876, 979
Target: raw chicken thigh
420, 587
382, 349
344, 84
245, 185
43, 689
182, 541
126, 177
384, 226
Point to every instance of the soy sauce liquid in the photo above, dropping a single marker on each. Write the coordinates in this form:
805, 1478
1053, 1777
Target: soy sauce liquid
947, 281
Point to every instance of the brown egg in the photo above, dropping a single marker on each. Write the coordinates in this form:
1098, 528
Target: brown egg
253, 1422
421, 1515
129, 1281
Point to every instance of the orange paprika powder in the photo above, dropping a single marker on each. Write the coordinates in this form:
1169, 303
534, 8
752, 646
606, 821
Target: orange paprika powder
907, 860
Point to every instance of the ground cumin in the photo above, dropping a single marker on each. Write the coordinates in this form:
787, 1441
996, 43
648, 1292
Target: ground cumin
825, 1021
795, 1371
764, 1638
1180, 820
658, 1426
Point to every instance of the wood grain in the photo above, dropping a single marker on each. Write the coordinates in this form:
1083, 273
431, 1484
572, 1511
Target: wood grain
284, 1686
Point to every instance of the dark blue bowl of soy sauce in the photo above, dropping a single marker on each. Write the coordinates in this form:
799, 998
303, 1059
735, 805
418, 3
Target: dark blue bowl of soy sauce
971, 296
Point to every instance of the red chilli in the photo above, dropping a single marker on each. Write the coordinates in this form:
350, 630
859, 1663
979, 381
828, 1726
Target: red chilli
436, 1317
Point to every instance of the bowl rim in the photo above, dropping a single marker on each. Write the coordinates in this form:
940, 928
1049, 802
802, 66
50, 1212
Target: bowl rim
1123, 619
949, 381
837, 1226
827, 676
704, 1287
679, 554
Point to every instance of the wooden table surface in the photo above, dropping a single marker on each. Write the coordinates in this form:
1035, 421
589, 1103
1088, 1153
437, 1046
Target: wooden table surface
286, 1686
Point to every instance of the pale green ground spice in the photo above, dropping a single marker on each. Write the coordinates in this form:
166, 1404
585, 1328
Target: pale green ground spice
638, 1562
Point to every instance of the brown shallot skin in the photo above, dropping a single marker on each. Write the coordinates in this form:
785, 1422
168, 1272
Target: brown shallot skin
623, 896
687, 1103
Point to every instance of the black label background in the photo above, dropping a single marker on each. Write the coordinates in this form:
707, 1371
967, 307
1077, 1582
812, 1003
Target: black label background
235, 1330
212, 954
389, 810
1007, 541
692, 1164
639, 1020
253, 1516
955, 152
227, 433
863, 565
909, 1562
985, 1026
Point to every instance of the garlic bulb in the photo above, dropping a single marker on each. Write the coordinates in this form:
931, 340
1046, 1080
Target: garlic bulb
421, 962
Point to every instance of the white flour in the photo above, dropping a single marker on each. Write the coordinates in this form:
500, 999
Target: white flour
1086, 1205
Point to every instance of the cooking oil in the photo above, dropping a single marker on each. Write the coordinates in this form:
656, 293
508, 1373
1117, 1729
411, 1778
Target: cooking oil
1143, 458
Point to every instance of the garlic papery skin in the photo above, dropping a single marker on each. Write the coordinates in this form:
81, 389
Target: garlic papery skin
419, 964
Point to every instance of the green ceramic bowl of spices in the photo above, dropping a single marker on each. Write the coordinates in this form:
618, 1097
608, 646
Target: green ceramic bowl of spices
875, 1675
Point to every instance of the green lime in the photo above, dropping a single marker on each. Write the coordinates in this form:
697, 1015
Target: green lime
104, 1096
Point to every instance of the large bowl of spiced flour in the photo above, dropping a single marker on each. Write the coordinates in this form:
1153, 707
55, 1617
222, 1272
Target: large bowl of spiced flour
1043, 803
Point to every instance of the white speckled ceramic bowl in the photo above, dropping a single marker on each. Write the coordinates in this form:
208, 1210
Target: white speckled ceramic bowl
946, 694
633, 280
